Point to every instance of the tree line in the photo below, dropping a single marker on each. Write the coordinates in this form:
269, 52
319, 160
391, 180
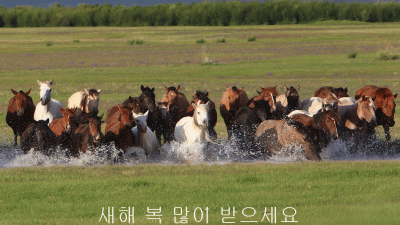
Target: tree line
199, 14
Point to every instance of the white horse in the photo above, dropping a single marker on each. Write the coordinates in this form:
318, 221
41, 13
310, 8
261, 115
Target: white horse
144, 137
314, 104
194, 129
87, 101
47, 108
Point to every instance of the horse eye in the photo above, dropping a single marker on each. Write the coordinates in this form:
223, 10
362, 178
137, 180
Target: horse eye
198, 112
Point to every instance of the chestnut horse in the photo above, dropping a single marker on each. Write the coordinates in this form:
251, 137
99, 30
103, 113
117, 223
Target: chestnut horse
135, 104
64, 127
267, 94
360, 116
288, 102
300, 130
87, 136
202, 98
232, 100
39, 137
177, 107
323, 92
20, 112
385, 105
119, 126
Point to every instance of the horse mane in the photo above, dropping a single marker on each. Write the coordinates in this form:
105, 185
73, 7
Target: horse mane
203, 96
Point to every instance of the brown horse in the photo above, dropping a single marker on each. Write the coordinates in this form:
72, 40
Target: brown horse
135, 104
323, 92
20, 112
232, 100
119, 126
288, 102
301, 130
202, 98
177, 107
63, 127
87, 136
267, 94
385, 105
39, 137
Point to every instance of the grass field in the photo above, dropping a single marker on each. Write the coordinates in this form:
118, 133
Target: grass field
311, 56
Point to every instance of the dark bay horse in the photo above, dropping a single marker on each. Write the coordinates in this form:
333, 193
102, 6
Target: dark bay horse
288, 102
20, 112
232, 100
38, 136
385, 105
64, 127
119, 126
87, 136
202, 98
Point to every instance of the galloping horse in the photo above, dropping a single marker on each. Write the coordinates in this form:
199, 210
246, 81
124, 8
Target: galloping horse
119, 126
144, 137
315, 104
85, 101
194, 129
87, 136
63, 127
385, 105
20, 113
47, 108
202, 98
268, 94
38, 136
306, 131
288, 102
232, 100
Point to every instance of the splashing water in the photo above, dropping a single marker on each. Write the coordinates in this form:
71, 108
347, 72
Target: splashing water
178, 153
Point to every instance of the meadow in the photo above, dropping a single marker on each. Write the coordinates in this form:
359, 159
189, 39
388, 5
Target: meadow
108, 58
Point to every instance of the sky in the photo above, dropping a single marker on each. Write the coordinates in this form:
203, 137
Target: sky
47, 3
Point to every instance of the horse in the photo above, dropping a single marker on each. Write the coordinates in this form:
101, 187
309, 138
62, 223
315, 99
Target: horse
177, 106
315, 104
134, 103
39, 137
232, 100
194, 129
246, 121
144, 137
119, 126
265, 95
385, 105
20, 113
63, 127
309, 132
288, 102
87, 136
47, 108
323, 92
201, 98
85, 101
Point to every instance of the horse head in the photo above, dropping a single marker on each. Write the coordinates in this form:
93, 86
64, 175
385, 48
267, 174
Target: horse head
201, 114
67, 117
92, 101
366, 110
141, 121
340, 92
148, 98
95, 127
19, 101
330, 120
200, 97
385, 106
125, 117
45, 91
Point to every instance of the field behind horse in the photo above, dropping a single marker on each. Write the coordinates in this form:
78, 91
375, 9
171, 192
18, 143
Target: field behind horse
106, 58
321, 193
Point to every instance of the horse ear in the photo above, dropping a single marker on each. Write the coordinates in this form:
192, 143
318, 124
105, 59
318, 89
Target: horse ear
240, 89
86, 91
14, 92
227, 88
194, 96
61, 109
166, 89
152, 90
179, 87
47, 121
395, 95
101, 117
146, 114
74, 110
286, 89
259, 92
194, 106
363, 98
298, 88
346, 90
52, 82
207, 93
27, 92
134, 114
39, 82
98, 91
119, 107
142, 88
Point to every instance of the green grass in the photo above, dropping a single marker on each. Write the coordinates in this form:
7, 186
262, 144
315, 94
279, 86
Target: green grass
200, 41
352, 55
251, 39
322, 193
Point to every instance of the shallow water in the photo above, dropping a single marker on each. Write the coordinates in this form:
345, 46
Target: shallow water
176, 153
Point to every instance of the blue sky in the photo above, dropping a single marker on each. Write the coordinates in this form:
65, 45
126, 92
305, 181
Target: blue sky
47, 3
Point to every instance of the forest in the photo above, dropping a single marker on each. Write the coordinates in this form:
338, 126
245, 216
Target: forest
229, 13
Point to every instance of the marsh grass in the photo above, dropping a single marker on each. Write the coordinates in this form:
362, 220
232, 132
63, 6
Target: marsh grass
352, 55
48, 44
221, 40
76, 41
251, 39
389, 53
200, 41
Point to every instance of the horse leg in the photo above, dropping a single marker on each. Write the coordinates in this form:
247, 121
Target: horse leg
387, 134
15, 139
